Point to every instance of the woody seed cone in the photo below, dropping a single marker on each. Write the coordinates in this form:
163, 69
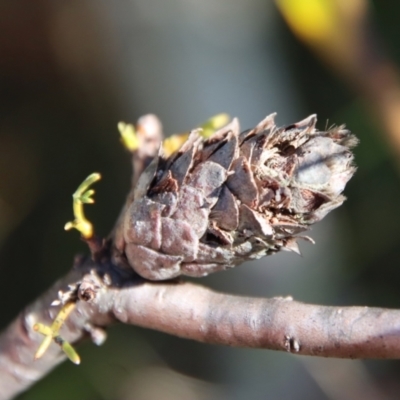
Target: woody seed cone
235, 196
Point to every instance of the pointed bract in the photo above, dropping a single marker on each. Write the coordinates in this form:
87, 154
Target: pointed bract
220, 201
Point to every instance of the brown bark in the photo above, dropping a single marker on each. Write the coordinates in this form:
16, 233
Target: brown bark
193, 312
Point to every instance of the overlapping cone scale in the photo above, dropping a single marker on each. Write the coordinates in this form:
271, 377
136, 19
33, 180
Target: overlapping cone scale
235, 196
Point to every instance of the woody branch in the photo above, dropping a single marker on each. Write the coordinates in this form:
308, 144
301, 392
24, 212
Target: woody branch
194, 312
109, 292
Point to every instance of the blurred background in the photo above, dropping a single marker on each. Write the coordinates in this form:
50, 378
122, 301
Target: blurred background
70, 70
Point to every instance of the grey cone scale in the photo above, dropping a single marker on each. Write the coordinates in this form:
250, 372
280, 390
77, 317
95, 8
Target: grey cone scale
220, 201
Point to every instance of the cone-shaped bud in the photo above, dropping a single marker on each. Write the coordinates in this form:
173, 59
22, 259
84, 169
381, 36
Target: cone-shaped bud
234, 197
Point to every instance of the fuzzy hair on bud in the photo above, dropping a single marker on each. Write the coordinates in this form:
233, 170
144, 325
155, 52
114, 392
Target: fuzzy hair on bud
233, 197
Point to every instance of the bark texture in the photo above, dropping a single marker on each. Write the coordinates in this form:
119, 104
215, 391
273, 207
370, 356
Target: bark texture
193, 312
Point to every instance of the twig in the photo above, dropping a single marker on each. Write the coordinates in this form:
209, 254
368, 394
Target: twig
193, 312
285, 179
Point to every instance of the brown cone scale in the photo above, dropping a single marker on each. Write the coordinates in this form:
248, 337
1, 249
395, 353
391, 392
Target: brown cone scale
220, 201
